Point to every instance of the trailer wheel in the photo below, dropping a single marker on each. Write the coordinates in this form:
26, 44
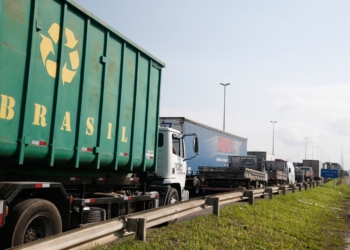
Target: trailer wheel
95, 214
32, 220
173, 196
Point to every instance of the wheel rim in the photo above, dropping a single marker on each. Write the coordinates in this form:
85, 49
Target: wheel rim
40, 227
173, 199
197, 189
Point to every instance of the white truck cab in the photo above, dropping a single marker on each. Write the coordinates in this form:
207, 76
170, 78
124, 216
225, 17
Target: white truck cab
171, 162
291, 172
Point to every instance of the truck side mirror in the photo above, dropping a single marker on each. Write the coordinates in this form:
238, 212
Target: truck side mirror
195, 145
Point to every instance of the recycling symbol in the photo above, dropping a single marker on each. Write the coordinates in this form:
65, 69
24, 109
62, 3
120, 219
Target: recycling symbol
46, 47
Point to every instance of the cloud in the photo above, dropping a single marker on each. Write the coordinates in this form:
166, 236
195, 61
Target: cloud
319, 102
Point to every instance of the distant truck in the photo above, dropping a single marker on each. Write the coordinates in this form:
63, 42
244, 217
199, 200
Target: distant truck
277, 177
266, 155
316, 166
304, 174
287, 167
242, 171
214, 147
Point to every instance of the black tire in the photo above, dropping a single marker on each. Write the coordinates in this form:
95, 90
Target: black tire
173, 196
31, 220
95, 214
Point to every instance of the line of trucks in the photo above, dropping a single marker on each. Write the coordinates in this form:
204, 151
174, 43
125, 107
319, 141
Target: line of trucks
81, 140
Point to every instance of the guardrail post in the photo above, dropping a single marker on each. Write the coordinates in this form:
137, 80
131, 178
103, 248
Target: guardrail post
284, 190
141, 229
299, 186
215, 202
310, 185
305, 186
313, 184
250, 195
317, 183
137, 225
293, 188
269, 191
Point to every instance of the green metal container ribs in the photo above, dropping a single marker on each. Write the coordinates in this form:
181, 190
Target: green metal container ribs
74, 93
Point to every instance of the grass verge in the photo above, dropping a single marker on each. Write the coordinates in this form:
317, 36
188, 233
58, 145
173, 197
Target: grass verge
311, 219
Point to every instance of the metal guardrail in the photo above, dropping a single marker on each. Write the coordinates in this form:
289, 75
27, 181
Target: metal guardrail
108, 231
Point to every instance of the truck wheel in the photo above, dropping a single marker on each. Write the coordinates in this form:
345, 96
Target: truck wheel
196, 187
95, 214
173, 196
32, 220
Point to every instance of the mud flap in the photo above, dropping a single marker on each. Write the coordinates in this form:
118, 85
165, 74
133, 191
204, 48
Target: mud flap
163, 192
2, 212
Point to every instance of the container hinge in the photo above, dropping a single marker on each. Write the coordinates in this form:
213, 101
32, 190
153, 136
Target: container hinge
27, 140
103, 59
38, 25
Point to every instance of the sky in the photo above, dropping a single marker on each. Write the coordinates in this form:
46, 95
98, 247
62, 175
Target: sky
286, 61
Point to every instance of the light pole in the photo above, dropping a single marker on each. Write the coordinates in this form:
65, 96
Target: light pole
298, 156
317, 151
273, 137
312, 154
224, 84
342, 156
305, 146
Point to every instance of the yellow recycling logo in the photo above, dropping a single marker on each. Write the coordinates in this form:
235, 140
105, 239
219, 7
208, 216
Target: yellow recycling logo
46, 47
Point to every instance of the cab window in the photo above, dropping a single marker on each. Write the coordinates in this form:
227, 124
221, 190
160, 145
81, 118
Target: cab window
160, 140
177, 147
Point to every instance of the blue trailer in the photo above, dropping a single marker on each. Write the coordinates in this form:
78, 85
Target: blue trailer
214, 146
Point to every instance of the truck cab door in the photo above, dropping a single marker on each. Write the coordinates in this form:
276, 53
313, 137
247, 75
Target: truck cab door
178, 169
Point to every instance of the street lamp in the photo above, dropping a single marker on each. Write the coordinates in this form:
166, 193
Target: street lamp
298, 156
273, 136
317, 151
305, 146
312, 154
342, 156
224, 84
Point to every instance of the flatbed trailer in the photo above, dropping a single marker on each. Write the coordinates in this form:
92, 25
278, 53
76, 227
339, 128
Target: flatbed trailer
303, 175
277, 177
224, 178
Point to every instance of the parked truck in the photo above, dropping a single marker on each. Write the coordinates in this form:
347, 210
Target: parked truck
304, 174
283, 166
79, 137
316, 166
277, 177
266, 155
214, 148
242, 171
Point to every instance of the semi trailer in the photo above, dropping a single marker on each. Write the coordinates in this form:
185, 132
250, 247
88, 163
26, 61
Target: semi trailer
277, 177
214, 147
79, 134
284, 166
316, 166
242, 171
304, 174
266, 155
